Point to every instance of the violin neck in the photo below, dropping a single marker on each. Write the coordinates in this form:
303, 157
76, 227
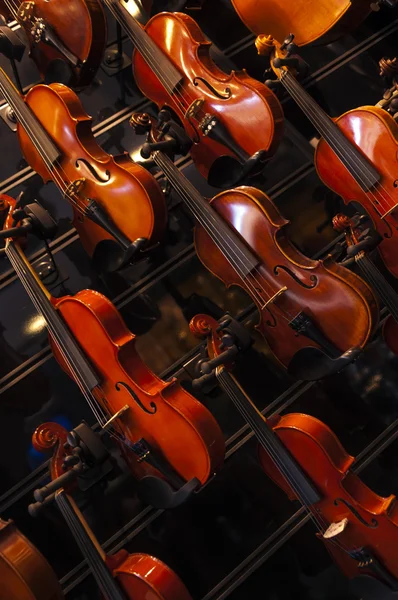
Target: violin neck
89, 547
159, 63
25, 117
372, 275
77, 363
279, 454
360, 168
228, 242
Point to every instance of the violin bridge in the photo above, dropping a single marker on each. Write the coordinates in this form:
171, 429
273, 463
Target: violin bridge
335, 529
275, 297
117, 415
194, 108
75, 187
26, 11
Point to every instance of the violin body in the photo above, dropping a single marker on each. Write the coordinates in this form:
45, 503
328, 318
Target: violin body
126, 192
311, 21
142, 576
24, 572
80, 25
341, 303
372, 520
227, 96
375, 133
175, 425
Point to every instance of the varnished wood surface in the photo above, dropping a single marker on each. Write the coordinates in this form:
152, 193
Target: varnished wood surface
321, 456
181, 428
341, 304
375, 133
311, 21
252, 115
24, 572
129, 195
79, 24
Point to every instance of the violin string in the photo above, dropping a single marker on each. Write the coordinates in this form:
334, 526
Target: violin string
319, 520
13, 7
39, 145
99, 409
209, 221
143, 46
42, 309
88, 549
316, 117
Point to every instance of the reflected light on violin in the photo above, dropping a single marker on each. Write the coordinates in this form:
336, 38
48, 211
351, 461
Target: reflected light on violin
35, 325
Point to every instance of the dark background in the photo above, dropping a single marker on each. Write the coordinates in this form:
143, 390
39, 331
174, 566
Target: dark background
219, 542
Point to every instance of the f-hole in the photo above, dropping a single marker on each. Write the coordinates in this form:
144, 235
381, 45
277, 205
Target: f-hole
222, 95
313, 278
101, 177
135, 397
373, 523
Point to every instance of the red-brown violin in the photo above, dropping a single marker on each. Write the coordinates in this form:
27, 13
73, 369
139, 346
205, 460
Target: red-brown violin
357, 156
359, 243
313, 21
118, 576
66, 39
119, 208
311, 312
24, 572
165, 434
225, 115
304, 457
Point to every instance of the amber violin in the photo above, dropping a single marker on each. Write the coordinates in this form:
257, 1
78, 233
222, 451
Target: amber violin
119, 209
311, 312
118, 576
24, 572
165, 434
313, 21
357, 155
234, 122
66, 39
360, 242
304, 457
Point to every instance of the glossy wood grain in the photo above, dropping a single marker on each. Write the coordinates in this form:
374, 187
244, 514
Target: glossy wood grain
173, 422
321, 456
147, 578
311, 21
79, 24
128, 194
252, 114
375, 133
24, 572
342, 305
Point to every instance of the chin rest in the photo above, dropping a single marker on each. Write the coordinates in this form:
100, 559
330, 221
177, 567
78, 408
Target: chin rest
159, 493
311, 364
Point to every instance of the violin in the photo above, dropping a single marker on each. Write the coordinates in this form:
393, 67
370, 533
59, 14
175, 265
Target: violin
357, 155
120, 575
169, 440
66, 39
313, 21
119, 209
359, 244
233, 121
24, 572
311, 312
307, 461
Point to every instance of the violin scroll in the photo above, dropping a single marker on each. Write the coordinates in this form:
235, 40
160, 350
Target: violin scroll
52, 437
